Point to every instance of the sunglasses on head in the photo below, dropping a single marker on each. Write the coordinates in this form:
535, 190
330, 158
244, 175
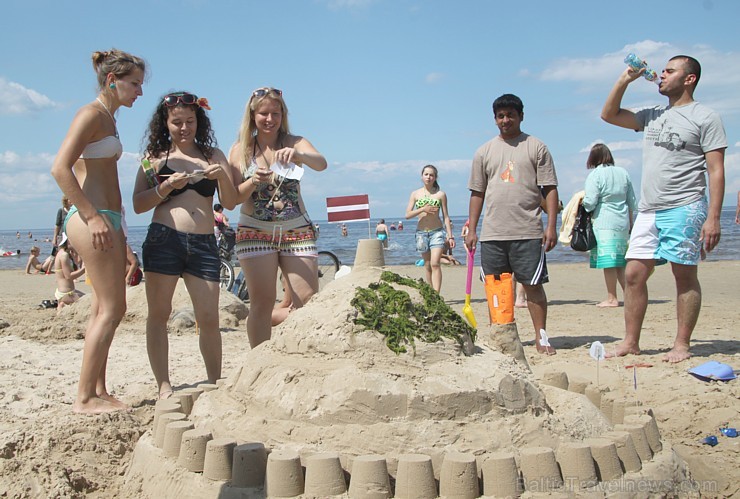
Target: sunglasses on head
261, 92
187, 99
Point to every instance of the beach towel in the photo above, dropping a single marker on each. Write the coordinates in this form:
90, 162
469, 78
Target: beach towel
569, 217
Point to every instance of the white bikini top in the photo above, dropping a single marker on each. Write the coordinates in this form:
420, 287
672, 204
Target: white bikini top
107, 147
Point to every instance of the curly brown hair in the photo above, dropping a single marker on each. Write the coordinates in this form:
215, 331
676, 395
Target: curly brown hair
157, 137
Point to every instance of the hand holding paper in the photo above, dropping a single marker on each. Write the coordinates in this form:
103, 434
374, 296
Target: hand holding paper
290, 171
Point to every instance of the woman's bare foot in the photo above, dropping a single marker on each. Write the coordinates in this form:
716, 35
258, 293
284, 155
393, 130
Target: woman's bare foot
621, 350
94, 405
165, 394
677, 354
114, 401
521, 304
608, 304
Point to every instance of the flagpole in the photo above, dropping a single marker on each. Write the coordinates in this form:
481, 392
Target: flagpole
369, 234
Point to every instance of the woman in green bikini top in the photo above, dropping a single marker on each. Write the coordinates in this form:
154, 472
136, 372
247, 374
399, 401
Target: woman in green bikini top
426, 203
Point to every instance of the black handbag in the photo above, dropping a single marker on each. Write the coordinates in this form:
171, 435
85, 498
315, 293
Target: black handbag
582, 237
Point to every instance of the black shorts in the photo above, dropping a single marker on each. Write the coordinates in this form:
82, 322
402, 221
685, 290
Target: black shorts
524, 258
167, 251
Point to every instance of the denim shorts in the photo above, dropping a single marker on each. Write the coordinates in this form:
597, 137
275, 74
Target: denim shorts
426, 240
167, 251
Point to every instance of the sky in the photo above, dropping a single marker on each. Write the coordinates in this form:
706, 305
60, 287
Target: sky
380, 87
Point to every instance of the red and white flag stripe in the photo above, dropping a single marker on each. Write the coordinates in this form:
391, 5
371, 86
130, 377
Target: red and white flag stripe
348, 208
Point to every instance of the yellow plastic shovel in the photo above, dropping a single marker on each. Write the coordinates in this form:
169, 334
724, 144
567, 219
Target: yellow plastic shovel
467, 309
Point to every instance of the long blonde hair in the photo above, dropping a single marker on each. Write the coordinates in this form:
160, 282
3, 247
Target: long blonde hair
248, 129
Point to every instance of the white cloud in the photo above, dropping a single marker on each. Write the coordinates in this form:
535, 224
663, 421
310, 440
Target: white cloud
434, 77
732, 166
17, 99
628, 162
348, 4
379, 169
11, 160
732, 177
615, 146
720, 71
26, 177
607, 66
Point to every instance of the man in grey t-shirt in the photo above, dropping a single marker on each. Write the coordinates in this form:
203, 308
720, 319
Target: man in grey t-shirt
506, 176
682, 142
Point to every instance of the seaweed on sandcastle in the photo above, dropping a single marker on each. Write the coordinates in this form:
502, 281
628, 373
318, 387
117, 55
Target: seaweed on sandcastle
392, 313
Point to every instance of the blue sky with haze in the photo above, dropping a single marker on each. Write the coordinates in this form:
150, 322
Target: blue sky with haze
380, 87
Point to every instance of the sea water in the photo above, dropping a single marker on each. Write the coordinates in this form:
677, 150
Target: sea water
401, 248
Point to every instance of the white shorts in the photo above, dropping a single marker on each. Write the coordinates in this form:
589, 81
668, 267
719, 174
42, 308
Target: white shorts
671, 234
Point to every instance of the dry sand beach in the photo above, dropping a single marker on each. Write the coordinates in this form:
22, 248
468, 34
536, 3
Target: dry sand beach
47, 451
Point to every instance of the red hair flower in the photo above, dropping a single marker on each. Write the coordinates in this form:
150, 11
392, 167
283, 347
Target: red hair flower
203, 102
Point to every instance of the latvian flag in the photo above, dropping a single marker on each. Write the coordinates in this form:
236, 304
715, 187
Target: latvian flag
348, 208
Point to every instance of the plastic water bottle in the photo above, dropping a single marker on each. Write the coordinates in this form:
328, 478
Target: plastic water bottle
151, 174
637, 64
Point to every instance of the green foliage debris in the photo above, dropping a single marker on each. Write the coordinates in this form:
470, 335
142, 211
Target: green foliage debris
393, 314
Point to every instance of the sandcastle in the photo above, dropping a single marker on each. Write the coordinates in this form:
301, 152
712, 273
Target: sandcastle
325, 409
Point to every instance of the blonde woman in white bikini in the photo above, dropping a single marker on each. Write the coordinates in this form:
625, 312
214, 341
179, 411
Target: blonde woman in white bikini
86, 170
426, 204
274, 229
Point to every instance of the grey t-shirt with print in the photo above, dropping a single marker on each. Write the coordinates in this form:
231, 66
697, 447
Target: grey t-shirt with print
673, 163
510, 172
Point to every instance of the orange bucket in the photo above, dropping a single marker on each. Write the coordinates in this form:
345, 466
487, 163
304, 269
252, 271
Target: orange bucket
500, 296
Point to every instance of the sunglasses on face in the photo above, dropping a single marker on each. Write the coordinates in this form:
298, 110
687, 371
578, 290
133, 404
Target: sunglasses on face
187, 99
261, 92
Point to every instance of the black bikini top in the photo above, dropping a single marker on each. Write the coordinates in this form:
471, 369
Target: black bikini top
204, 187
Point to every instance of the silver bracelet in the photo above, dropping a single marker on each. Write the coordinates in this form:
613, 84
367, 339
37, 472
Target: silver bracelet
156, 191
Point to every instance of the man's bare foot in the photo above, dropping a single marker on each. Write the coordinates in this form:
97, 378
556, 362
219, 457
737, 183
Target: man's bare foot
94, 405
677, 354
520, 304
550, 350
622, 350
608, 304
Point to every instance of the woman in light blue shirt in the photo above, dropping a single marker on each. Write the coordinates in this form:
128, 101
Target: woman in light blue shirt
611, 199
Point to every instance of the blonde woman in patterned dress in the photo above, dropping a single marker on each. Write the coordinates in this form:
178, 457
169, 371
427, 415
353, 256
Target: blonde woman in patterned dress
274, 229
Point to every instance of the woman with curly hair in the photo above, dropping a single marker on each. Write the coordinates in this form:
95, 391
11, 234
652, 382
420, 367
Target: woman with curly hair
274, 229
187, 170
87, 173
